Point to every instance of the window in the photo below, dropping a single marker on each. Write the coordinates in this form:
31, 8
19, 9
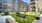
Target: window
0, 4
19, 6
37, 4
0, 7
23, 7
38, 8
0, 11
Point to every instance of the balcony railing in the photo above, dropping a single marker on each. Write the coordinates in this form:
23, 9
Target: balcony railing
0, 4
0, 7
33, 5
32, 0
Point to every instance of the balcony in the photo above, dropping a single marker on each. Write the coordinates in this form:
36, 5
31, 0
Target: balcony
32, 0
0, 7
0, 11
33, 8
32, 4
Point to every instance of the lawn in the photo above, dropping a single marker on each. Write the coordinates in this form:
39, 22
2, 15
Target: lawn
29, 19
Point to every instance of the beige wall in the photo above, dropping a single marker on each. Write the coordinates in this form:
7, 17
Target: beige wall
38, 4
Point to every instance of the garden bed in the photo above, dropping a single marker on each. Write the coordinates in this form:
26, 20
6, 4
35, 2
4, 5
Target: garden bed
24, 20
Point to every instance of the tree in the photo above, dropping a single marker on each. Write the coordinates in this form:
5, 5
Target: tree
41, 10
18, 9
33, 8
5, 6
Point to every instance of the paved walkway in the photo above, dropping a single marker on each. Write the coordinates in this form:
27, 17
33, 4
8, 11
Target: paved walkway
40, 18
3, 19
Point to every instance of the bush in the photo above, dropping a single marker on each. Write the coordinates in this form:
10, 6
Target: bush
6, 13
17, 13
22, 20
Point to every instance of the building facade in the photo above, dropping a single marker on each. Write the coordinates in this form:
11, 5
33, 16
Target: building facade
36, 5
23, 6
6, 2
15, 5
29, 9
9, 2
19, 5
1, 7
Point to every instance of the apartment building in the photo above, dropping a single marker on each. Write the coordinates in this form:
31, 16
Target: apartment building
4, 2
1, 7
10, 5
14, 5
19, 5
35, 5
23, 6
29, 9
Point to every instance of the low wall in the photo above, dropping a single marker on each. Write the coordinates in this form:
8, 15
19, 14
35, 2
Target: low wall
9, 20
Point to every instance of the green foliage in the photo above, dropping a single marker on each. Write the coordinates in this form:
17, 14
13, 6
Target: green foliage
33, 9
29, 19
18, 9
5, 6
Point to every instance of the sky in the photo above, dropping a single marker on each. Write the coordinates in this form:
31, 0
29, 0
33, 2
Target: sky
26, 1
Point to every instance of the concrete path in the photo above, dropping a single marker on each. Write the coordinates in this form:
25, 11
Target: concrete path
40, 18
3, 19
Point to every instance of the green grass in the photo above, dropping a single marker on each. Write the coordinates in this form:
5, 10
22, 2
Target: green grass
29, 19
24, 20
